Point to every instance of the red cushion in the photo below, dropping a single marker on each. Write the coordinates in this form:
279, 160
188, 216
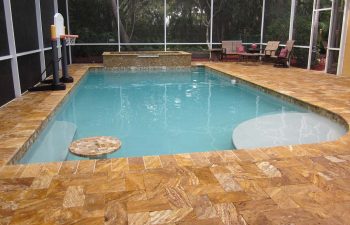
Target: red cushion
240, 49
283, 53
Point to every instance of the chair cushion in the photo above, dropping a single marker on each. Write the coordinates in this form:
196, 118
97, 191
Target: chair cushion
283, 53
240, 49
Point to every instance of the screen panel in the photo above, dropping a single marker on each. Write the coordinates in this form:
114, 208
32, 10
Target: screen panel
63, 10
7, 92
333, 61
321, 4
29, 70
142, 48
277, 19
4, 49
24, 25
337, 23
300, 57
93, 22
199, 52
48, 61
142, 21
237, 20
302, 22
47, 14
90, 54
188, 21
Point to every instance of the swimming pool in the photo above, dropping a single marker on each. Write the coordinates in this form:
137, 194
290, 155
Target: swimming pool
154, 112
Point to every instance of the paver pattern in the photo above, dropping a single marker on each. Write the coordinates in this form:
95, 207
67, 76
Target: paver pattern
304, 184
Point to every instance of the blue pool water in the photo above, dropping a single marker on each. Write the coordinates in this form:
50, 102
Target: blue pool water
153, 113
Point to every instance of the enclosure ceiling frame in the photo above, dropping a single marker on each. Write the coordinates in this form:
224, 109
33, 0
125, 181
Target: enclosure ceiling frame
6, 57
13, 54
211, 43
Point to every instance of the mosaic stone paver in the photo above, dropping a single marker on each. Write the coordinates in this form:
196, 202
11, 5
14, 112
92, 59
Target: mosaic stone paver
297, 184
95, 146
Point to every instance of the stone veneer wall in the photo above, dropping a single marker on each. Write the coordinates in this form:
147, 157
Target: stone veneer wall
147, 59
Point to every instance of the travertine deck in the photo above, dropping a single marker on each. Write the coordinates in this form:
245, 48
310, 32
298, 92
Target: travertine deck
307, 184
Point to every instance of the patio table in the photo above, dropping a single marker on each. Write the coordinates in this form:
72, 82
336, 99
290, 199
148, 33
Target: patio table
253, 50
215, 54
246, 56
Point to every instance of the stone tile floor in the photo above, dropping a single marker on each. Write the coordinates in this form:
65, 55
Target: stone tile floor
305, 184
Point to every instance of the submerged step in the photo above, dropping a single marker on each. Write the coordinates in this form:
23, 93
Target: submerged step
286, 129
54, 144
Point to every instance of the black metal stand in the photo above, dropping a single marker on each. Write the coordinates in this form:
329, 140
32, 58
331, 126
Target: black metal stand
65, 76
56, 85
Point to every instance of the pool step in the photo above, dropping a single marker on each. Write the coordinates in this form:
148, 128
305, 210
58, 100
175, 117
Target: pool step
53, 145
286, 129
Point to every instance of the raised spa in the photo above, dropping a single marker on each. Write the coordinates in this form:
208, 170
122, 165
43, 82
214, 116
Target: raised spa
147, 59
157, 112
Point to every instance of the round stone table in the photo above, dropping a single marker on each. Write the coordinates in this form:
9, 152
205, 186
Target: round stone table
95, 147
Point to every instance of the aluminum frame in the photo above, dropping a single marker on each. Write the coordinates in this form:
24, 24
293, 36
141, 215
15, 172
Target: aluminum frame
262, 25
12, 47
40, 37
118, 25
165, 36
330, 37
292, 18
68, 30
211, 24
341, 49
345, 31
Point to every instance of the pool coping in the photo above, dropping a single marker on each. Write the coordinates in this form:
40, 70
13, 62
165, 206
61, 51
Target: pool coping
84, 69
309, 106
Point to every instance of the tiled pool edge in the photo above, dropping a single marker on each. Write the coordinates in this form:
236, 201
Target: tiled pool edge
304, 184
18, 154
22, 150
285, 97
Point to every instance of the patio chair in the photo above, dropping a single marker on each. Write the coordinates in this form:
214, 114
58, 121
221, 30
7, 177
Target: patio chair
284, 57
230, 47
270, 50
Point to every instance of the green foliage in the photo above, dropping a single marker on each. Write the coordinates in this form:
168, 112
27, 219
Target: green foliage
277, 19
189, 21
93, 20
238, 20
143, 20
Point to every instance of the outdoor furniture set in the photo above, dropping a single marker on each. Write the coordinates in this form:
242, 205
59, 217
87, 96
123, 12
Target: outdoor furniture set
270, 53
